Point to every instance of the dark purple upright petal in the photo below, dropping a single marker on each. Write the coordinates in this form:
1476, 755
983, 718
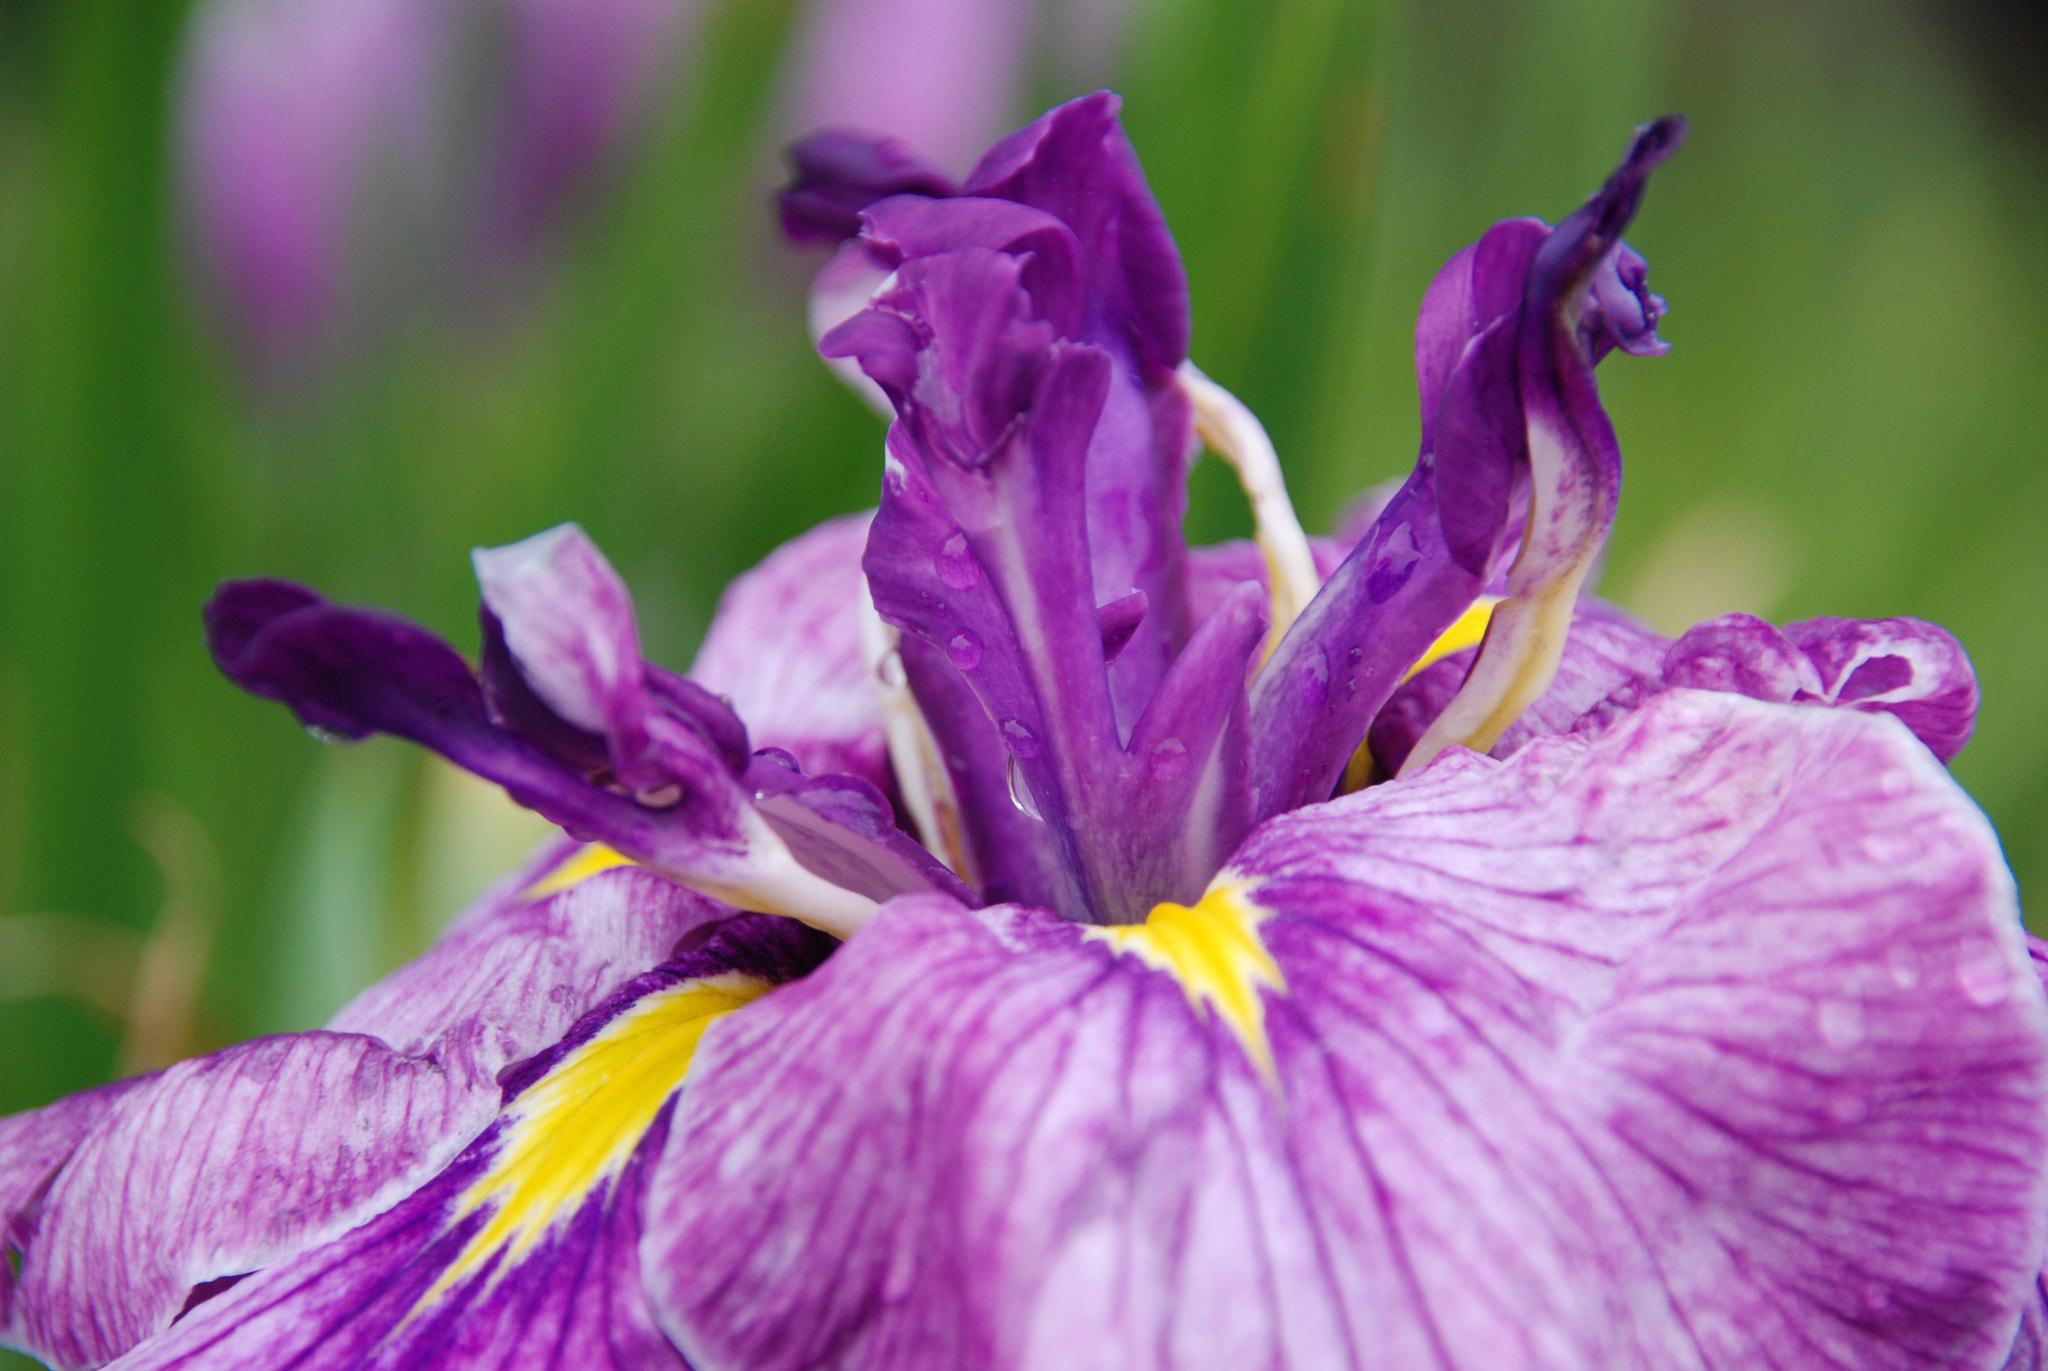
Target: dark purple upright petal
504, 1259
1719, 1105
353, 672
1506, 376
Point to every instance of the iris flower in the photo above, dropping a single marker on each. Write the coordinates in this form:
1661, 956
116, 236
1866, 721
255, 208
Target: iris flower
1287, 954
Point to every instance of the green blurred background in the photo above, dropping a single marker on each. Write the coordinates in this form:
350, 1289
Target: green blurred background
1852, 421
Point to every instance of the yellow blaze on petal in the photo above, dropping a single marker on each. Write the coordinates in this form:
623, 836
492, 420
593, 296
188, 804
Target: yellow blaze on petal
1469, 631
589, 860
1214, 950
574, 1130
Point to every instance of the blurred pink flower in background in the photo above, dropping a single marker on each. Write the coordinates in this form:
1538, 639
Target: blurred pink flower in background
333, 154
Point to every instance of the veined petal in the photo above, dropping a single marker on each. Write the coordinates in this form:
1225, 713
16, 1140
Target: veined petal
1771, 1092
523, 1252
120, 1201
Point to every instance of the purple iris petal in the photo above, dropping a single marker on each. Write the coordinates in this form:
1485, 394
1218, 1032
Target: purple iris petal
784, 648
1502, 366
1716, 1105
381, 1295
121, 1201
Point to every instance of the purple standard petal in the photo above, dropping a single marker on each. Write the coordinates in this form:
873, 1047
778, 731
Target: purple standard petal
1504, 361
351, 672
121, 1201
785, 649
982, 549
523, 1252
1735, 1098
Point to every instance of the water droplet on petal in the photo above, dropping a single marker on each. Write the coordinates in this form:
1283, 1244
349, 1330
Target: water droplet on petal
1984, 974
955, 565
331, 737
963, 649
1169, 759
1840, 1023
1312, 677
1021, 741
890, 670
1020, 794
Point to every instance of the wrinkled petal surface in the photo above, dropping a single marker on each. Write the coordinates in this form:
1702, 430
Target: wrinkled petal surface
1772, 1091
496, 1262
229, 1163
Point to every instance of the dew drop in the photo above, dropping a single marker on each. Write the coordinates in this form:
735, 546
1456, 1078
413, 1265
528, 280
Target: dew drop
1021, 741
1020, 793
1169, 759
955, 565
329, 736
1984, 974
1840, 1023
889, 671
1312, 677
964, 649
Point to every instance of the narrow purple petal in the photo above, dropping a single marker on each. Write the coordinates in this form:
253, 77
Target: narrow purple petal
353, 672
429, 1284
843, 829
1511, 419
1719, 1105
785, 650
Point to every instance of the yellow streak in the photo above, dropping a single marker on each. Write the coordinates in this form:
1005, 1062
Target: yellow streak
575, 1128
589, 860
1214, 950
1469, 631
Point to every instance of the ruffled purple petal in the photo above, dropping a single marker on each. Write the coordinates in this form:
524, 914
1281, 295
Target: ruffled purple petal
843, 829
1909, 668
409, 1289
1707, 1043
1905, 667
784, 648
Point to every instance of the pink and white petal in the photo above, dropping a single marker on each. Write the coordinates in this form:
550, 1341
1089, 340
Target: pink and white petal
785, 650
1703, 1043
